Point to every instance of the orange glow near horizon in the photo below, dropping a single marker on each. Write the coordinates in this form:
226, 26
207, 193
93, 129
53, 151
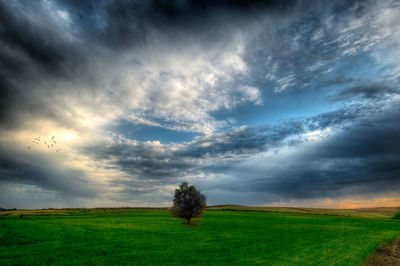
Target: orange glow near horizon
345, 203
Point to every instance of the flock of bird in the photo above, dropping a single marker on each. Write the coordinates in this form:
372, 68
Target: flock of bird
51, 144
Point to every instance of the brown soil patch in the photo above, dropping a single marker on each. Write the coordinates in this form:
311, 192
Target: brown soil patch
386, 255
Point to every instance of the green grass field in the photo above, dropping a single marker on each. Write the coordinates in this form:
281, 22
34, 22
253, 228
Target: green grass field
134, 236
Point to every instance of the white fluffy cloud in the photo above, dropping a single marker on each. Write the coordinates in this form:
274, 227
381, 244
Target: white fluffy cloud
177, 88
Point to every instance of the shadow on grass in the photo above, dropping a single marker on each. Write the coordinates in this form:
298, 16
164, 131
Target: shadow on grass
193, 223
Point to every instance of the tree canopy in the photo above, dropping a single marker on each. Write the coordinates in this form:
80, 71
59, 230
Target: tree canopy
188, 202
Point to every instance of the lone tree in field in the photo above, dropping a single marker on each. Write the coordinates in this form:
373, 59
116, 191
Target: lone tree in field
188, 202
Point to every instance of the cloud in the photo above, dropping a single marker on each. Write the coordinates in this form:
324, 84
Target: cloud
147, 60
360, 159
273, 100
39, 171
368, 92
313, 43
220, 153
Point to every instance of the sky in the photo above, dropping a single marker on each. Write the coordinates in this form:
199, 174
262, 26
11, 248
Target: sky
267, 103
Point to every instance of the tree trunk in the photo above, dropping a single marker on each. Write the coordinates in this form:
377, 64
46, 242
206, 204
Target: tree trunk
188, 220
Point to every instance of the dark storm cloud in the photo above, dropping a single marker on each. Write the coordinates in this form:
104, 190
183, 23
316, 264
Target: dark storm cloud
361, 159
216, 153
304, 51
123, 23
34, 39
250, 140
86, 64
358, 158
149, 160
142, 160
46, 57
35, 56
35, 170
49, 50
368, 92
155, 169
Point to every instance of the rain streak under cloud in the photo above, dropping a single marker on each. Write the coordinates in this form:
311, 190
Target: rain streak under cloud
285, 103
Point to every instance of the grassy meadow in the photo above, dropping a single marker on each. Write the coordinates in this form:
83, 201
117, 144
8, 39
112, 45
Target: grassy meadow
225, 235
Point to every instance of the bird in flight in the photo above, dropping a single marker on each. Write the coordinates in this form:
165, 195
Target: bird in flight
51, 143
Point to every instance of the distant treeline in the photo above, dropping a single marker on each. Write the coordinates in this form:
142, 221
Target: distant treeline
97, 208
3, 209
107, 208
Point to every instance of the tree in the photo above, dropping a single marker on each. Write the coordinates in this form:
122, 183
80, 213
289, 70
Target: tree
188, 203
